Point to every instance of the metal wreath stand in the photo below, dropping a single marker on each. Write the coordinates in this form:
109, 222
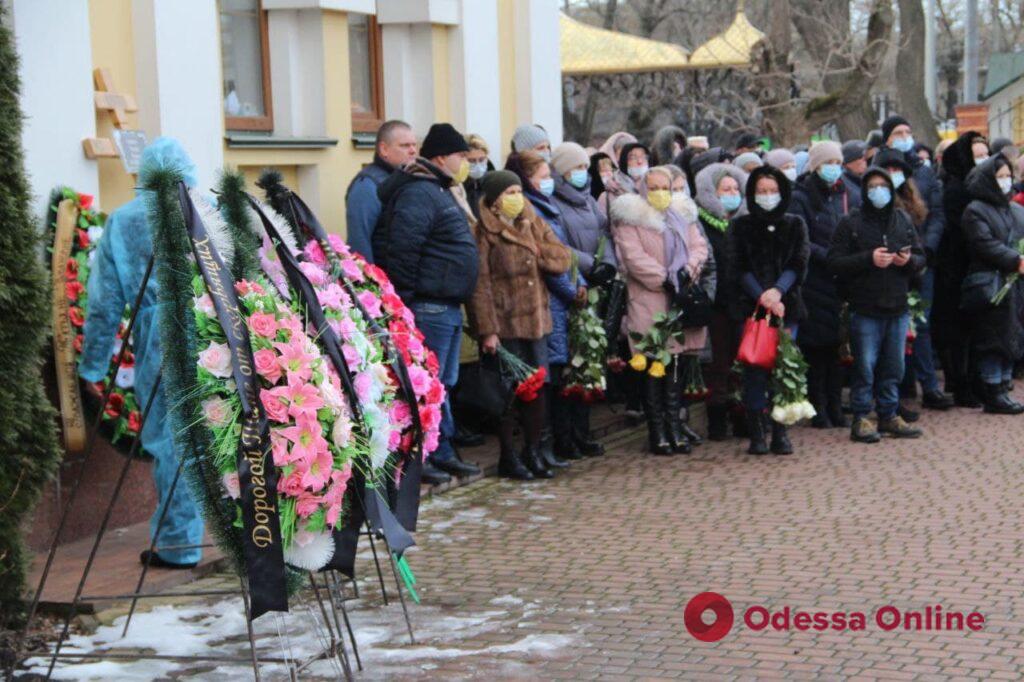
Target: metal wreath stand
331, 585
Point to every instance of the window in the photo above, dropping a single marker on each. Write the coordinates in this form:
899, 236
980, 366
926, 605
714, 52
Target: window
364, 54
246, 65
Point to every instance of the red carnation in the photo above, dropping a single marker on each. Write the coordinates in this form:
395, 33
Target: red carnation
432, 366
71, 269
392, 303
134, 421
77, 343
73, 290
76, 316
128, 360
84, 201
83, 239
375, 273
114, 405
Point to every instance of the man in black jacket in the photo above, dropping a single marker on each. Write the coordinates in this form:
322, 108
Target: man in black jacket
424, 244
874, 255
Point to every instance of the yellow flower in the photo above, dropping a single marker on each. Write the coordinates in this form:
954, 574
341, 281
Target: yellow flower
657, 370
638, 362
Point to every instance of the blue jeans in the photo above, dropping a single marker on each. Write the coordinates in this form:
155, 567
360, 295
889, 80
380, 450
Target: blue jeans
878, 345
441, 325
757, 383
993, 368
923, 358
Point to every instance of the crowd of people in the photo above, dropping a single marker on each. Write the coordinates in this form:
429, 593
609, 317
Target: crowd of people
884, 260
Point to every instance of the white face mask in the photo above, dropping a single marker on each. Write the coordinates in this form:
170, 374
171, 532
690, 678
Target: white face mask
1005, 184
978, 160
790, 173
768, 201
637, 172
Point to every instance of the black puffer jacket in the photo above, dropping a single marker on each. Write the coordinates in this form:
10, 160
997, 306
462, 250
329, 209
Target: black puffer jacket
821, 207
766, 244
870, 290
993, 226
423, 240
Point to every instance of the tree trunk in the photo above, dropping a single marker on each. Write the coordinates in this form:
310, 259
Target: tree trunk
913, 103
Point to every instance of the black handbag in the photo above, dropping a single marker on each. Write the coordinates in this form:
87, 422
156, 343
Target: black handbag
483, 387
692, 302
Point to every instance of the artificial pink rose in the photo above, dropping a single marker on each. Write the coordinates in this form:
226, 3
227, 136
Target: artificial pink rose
276, 409
215, 411
430, 441
420, 380
338, 244
231, 485
216, 360
394, 439
314, 253
400, 413
291, 485
352, 270
371, 303
263, 324
430, 417
290, 322
314, 273
204, 304
307, 504
352, 358
363, 383
266, 365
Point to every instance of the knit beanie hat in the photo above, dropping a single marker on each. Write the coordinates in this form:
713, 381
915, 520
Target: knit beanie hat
527, 137
567, 156
745, 158
854, 150
820, 152
890, 124
496, 182
779, 157
442, 139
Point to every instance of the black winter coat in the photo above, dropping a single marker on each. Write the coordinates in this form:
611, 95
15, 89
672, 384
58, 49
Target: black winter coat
870, 290
821, 209
766, 244
423, 240
993, 226
930, 187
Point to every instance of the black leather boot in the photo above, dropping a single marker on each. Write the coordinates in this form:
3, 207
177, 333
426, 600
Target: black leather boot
531, 458
781, 444
657, 439
509, 463
718, 424
758, 437
547, 451
534, 415
558, 441
997, 401
817, 378
740, 422
691, 435
580, 421
673, 397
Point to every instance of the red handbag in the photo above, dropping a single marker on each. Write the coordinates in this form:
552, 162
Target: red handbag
760, 342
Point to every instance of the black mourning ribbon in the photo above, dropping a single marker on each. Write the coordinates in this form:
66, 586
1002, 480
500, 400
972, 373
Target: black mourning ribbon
381, 517
406, 500
261, 538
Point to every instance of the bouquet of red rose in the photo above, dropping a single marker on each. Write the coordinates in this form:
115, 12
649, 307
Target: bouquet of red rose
527, 380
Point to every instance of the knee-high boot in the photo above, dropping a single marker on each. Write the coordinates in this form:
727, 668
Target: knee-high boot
532, 414
658, 442
673, 397
509, 463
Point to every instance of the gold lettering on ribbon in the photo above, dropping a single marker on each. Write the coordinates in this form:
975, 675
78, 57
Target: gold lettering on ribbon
64, 363
262, 536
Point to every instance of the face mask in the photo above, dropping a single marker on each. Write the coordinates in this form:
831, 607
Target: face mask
546, 155
578, 178
477, 170
1005, 184
927, 163
547, 186
660, 199
879, 196
637, 172
898, 179
679, 195
512, 205
903, 144
768, 201
730, 202
978, 160
830, 172
790, 173
606, 178
460, 175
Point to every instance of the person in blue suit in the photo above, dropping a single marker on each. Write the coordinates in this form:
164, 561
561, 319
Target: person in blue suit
120, 263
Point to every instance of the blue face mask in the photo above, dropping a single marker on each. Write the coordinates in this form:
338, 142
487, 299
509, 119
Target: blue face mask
897, 178
830, 172
904, 144
578, 178
478, 170
547, 187
730, 202
879, 196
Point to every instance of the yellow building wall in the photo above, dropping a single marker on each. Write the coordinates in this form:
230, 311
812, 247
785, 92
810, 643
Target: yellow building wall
507, 62
110, 29
442, 73
289, 176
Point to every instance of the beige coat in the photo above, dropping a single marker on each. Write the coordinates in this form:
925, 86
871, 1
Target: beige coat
511, 299
637, 229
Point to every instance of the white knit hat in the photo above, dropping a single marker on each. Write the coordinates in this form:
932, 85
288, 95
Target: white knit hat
527, 137
567, 156
822, 151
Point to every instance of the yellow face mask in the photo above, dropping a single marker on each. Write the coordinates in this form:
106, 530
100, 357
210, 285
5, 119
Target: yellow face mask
512, 205
659, 199
461, 174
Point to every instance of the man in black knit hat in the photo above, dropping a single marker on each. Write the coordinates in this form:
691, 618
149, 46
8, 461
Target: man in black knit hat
424, 244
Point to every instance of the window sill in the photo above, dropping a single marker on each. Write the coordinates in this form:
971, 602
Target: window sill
255, 141
364, 140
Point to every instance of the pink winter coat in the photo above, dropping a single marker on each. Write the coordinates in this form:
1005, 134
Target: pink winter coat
639, 244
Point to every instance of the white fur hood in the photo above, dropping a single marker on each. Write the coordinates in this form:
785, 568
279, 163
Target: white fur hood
633, 209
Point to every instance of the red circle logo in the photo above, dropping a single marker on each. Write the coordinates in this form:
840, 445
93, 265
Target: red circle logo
718, 605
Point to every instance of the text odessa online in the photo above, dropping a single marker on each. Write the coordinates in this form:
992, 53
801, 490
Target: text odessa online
886, 618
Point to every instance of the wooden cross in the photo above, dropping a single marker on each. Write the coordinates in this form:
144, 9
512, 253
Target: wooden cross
106, 98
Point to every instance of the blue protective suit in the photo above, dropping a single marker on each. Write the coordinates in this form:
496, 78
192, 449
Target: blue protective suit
119, 266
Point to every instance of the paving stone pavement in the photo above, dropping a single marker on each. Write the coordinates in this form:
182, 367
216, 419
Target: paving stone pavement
610, 552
